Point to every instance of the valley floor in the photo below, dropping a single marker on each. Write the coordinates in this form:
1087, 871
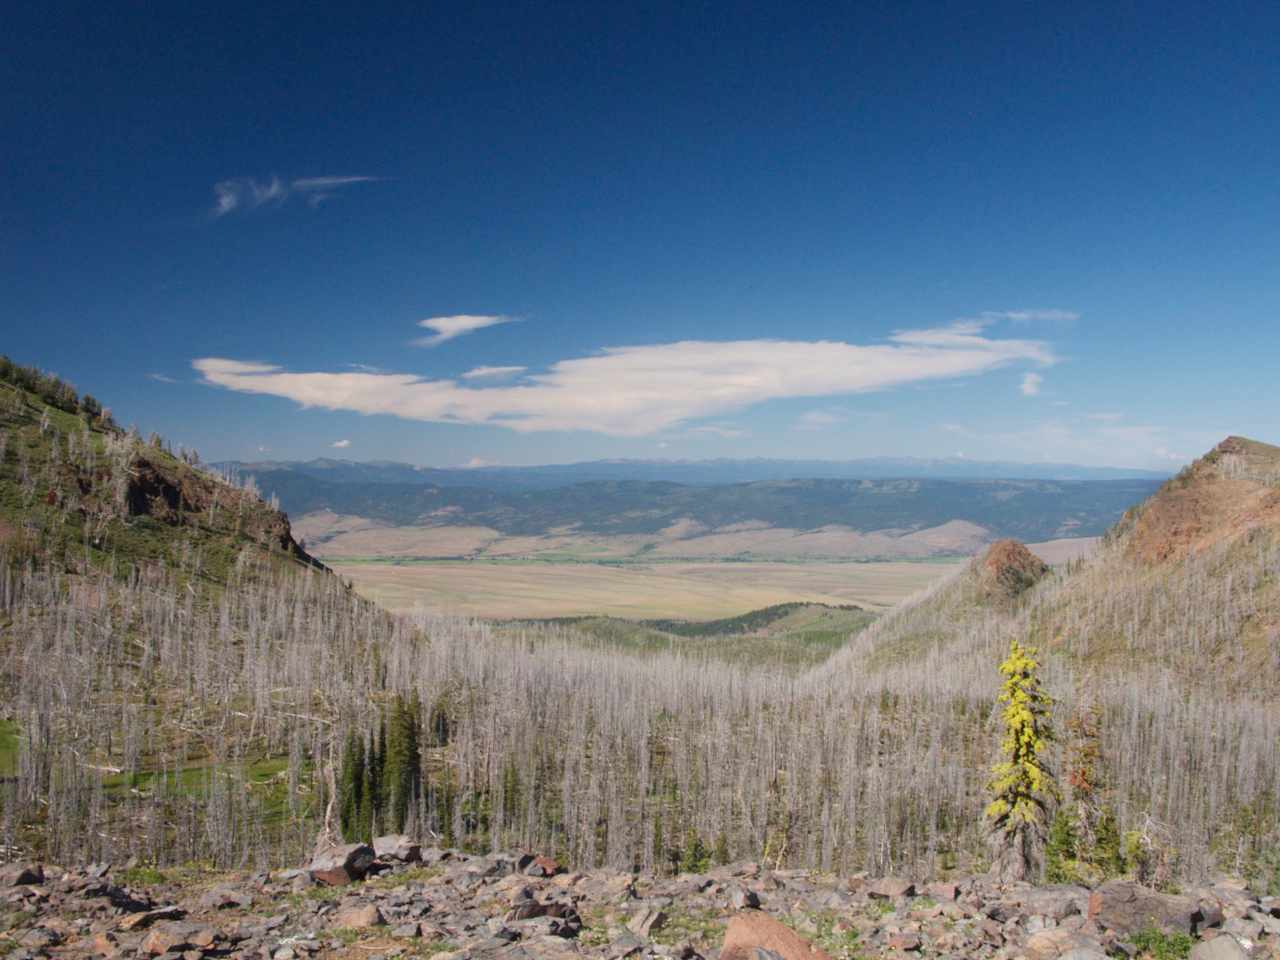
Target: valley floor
695, 591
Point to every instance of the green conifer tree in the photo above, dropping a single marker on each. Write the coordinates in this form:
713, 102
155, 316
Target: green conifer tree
1060, 852
401, 764
721, 854
350, 786
1021, 782
368, 797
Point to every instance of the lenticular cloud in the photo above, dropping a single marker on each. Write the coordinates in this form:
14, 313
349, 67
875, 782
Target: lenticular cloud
639, 390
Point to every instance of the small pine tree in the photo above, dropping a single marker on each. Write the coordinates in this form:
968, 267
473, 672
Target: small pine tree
1107, 854
401, 764
351, 787
1021, 782
721, 854
368, 799
1060, 851
696, 858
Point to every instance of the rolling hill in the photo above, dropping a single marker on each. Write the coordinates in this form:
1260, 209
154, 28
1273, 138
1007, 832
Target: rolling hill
901, 518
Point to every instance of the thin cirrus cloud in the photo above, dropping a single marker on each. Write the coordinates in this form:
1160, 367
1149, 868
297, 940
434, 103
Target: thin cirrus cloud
492, 373
821, 419
340, 444
1031, 383
248, 193
1030, 316
459, 325
641, 390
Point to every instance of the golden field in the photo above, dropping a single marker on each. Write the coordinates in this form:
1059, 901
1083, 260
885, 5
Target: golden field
692, 590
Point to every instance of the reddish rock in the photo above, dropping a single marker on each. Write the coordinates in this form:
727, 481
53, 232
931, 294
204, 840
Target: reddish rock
1126, 908
1008, 569
105, 944
905, 941
341, 865
543, 867
140, 921
175, 937
942, 891
751, 931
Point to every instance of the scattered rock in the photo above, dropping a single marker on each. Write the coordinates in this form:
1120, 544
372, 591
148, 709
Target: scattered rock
626, 945
175, 937
1058, 943
225, 897
397, 847
753, 931
140, 921
21, 874
1222, 947
1126, 908
340, 865
543, 867
357, 918
526, 909
942, 891
891, 888
743, 899
647, 922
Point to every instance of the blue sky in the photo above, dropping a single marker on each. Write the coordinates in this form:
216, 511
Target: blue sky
1019, 231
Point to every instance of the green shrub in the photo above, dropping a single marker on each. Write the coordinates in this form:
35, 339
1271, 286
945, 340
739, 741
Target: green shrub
1163, 946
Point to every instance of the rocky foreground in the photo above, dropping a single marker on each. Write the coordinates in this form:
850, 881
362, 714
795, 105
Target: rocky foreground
397, 900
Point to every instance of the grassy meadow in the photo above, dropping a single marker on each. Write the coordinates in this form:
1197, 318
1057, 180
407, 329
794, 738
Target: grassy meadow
690, 590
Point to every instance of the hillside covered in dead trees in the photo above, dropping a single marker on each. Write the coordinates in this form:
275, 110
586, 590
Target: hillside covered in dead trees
179, 682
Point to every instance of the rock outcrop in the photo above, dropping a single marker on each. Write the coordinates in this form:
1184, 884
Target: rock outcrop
1007, 570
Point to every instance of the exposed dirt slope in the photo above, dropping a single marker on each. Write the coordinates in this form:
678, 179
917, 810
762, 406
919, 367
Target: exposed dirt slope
1231, 490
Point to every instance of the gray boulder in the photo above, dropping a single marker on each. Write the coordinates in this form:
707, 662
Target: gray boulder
397, 847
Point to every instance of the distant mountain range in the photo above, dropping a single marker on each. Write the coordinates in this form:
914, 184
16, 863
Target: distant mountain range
1028, 509
691, 472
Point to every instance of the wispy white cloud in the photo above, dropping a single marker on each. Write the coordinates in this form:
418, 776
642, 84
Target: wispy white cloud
476, 463
160, 378
821, 419
1106, 417
1030, 316
640, 390
492, 373
725, 430
340, 444
1030, 385
459, 325
248, 193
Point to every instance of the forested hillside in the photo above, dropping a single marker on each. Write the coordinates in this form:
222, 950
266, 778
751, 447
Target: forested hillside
144, 715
